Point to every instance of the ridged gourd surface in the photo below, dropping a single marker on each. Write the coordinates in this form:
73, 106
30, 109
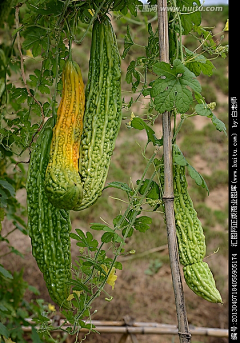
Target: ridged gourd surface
63, 183
102, 118
48, 226
191, 239
199, 279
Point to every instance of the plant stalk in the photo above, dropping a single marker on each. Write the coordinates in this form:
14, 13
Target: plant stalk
168, 196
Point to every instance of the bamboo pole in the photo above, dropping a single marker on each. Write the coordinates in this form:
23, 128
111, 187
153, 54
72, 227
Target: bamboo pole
120, 327
168, 196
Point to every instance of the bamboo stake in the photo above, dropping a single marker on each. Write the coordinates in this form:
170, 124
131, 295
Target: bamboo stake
120, 327
168, 196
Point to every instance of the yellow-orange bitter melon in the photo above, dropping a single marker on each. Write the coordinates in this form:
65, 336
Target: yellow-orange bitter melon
62, 182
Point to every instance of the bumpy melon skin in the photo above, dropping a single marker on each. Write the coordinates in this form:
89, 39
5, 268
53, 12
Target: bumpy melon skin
49, 227
102, 118
191, 239
199, 279
63, 183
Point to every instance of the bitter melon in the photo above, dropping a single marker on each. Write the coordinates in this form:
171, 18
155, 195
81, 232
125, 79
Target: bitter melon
191, 239
49, 227
102, 118
63, 183
199, 279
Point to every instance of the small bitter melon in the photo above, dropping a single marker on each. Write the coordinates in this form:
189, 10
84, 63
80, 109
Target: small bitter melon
191, 239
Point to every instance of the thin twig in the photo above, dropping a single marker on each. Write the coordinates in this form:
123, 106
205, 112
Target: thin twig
142, 254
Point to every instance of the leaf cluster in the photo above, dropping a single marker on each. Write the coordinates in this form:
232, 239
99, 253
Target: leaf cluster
15, 310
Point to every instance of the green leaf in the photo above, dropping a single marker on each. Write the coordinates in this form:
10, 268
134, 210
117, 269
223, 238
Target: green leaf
5, 273
194, 175
36, 39
74, 236
163, 69
130, 5
19, 227
19, 95
171, 89
4, 331
208, 41
118, 265
85, 241
2, 86
139, 124
110, 235
35, 337
92, 243
44, 89
119, 185
43, 319
146, 92
108, 229
130, 69
132, 72
152, 48
34, 290
117, 238
204, 110
53, 7
97, 226
130, 231
3, 198
198, 63
220, 126
142, 223
107, 237
153, 192
190, 16
128, 42
3, 308
179, 158
15, 251
117, 220
77, 284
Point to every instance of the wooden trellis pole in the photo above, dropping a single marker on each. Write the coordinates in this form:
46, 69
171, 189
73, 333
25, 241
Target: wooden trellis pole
168, 196
135, 328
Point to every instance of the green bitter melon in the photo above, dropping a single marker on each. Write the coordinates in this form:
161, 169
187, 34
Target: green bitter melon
102, 117
49, 227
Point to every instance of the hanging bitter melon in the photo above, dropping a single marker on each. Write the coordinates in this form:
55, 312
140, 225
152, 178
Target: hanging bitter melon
199, 279
102, 117
49, 227
191, 239
63, 183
